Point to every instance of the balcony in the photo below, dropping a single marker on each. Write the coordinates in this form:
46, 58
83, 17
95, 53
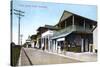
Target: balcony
70, 29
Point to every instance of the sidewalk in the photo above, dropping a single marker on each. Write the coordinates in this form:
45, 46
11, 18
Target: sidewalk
23, 59
84, 56
40, 57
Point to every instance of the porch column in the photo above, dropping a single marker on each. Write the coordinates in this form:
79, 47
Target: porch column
53, 45
82, 45
91, 49
45, 43
65, 23
56, 44
37, 43
50, 41
73, 20
42, 42
84, 23
48, 44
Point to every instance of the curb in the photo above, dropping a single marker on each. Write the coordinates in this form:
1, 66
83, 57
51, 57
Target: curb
19, 59
28, 58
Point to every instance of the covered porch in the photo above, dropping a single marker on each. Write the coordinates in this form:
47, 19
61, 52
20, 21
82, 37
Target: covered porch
74, 42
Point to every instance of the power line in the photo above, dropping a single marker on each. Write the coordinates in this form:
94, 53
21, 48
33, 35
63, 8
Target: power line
19, 13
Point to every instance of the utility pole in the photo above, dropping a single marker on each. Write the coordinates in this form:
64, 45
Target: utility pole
11, 17
11, 31
21, 36
19, 13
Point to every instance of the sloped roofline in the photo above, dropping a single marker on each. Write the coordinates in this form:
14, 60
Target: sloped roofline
81, 16
47, 27
73, 14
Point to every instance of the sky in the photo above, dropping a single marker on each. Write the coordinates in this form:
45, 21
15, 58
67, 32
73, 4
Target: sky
40, 13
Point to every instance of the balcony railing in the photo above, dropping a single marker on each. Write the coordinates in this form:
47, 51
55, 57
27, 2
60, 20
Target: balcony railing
72, 28
82, 29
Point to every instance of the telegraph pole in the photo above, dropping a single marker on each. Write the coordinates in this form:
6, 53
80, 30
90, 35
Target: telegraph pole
11, 5
19, 13
21, 38
11, 31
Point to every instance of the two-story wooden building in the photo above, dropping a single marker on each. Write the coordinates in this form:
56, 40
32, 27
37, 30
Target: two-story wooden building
75, 33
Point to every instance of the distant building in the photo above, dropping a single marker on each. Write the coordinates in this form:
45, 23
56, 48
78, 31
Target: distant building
46, 41
34, 40
43, 36
28, 42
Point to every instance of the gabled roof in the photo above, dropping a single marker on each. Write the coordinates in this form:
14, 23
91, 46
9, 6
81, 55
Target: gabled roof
50, 27
40, 28
45, 28
67, 14
33, 36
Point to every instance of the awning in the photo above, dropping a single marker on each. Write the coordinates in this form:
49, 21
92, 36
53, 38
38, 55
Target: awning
61, 39
61, 36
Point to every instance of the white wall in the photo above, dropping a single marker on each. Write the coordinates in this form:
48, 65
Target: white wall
95, 41
49, 32
32, 43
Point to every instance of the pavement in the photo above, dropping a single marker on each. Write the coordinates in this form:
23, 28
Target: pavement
23, 59
83, 56
31, 56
